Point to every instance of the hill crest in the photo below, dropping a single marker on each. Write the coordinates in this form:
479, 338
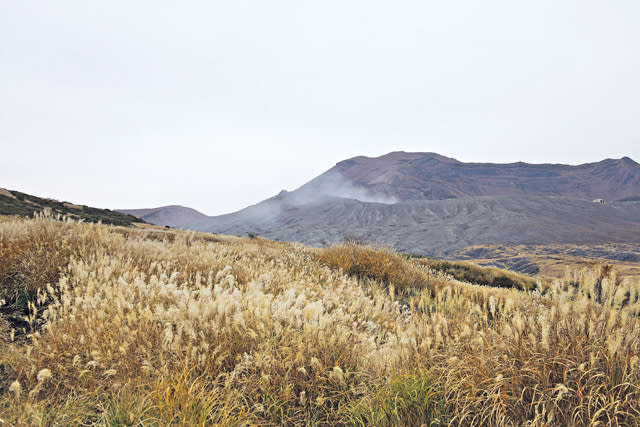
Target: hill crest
173, 215
22, 204
410, 176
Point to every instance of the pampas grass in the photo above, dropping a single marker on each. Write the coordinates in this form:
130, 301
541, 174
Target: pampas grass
146, 327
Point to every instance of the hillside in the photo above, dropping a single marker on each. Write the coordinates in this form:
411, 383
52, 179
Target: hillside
21, 204
123, 326
554, 260
172, 216
437, 227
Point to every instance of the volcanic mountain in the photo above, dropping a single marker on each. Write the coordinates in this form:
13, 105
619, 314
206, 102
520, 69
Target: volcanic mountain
429, 204
428, 176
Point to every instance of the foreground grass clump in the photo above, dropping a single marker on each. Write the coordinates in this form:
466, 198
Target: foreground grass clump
130, 327
410, 399
377, 264
31, 254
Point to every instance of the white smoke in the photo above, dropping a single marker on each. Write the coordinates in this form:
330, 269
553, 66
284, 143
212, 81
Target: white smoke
335, 185
319, 190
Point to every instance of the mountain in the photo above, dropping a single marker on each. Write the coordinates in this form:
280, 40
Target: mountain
425, 203
401, 176
173, 216
437, 227
21, 204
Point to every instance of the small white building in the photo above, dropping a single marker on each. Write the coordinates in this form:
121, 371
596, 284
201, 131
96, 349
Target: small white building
598, 201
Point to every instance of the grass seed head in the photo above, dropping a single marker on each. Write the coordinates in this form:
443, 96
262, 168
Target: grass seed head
44, 375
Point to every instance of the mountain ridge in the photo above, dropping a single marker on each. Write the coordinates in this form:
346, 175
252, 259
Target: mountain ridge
407, 176
429, 204
14, 202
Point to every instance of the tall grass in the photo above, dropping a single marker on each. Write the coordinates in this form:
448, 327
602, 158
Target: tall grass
488, 276
179, 328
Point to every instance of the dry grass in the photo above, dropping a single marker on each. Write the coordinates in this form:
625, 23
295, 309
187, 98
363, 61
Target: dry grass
378, 264
488, 276
556, 259
142, 327
7, 193
31, 255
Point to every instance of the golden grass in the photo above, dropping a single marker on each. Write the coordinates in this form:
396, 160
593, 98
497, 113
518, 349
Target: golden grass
147, 327
555, 260
7, 193
71, 205
379, 264
488, 276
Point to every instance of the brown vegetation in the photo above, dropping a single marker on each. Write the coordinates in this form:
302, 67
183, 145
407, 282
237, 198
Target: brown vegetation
554, 260
26, 205
136, 328
379, 264
488, 276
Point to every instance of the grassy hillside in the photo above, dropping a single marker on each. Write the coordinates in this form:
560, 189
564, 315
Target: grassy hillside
405, 272
488, 276
20, 204
554, 260
152, 327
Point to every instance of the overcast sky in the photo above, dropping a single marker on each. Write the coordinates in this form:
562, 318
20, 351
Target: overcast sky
220, 104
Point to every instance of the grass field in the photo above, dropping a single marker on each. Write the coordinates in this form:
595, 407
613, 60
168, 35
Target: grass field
107, 325
555, 260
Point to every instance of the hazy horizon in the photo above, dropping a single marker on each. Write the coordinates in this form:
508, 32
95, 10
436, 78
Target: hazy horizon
217, 106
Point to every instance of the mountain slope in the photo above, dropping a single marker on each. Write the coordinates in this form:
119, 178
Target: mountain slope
428, 176
21, 204
173, 216
425, 203
437, 227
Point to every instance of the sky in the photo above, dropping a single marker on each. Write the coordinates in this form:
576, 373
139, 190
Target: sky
217, 105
